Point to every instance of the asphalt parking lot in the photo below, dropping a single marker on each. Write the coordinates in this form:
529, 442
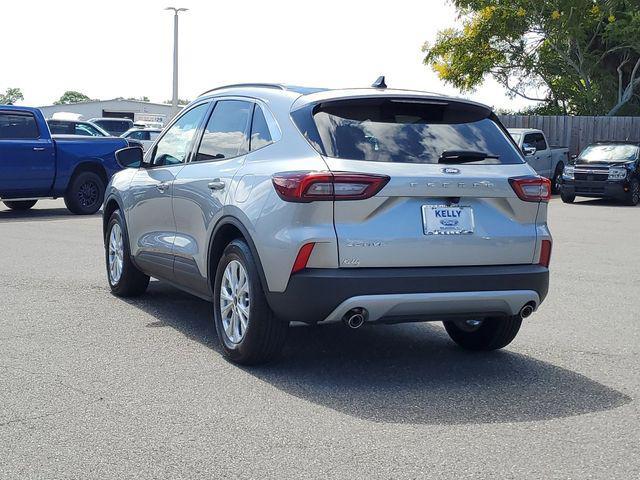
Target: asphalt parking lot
92, 386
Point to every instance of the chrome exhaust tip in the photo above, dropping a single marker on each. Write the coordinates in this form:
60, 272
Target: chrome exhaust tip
526, 311
355, 318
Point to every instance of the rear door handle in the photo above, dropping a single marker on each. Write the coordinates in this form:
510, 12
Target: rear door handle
162, 186
217, 184
38, 149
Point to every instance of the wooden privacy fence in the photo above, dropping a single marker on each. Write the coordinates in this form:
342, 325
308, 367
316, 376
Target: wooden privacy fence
577, 132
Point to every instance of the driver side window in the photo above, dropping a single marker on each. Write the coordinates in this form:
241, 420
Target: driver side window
173, 147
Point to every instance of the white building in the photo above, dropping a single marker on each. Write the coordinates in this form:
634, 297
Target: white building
116, 108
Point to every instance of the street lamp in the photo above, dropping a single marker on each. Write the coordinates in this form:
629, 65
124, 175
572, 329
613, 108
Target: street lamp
174, 98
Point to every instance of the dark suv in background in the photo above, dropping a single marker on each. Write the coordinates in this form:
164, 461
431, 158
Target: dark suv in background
604, 170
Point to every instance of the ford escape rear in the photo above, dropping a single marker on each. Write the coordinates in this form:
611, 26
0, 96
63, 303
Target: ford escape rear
281, 204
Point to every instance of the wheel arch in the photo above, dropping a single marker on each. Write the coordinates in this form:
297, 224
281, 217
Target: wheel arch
90, 165
227, 229
111, 204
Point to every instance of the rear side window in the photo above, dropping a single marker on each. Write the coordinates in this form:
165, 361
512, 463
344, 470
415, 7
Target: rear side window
18, 126
226, 133
535, 140
260, 134
405, 131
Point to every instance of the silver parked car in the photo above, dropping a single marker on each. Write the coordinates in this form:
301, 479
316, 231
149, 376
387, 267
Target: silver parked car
146, 136
282, 204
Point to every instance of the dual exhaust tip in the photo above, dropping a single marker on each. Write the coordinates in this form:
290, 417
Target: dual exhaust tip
356, 317
527, 310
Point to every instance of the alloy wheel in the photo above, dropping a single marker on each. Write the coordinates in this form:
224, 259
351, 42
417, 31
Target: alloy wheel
234, 301
116, 254
88, 194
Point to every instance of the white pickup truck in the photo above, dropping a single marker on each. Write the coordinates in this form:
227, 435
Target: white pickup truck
548, 161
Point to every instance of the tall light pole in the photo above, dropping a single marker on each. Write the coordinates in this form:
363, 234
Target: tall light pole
174, 98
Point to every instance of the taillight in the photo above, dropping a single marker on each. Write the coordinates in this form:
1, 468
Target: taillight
303, 257
532, 189
545, 253
304, 187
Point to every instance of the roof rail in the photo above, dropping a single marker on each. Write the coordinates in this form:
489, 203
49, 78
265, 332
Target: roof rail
277, 86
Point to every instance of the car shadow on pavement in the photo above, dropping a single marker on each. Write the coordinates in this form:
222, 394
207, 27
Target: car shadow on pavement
408, 373
600, 202
38, 215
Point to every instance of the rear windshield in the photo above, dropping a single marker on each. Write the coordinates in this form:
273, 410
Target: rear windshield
115, 125
610, 153
407, 131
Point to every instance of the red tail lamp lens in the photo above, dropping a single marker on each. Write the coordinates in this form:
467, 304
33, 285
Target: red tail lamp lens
304, 187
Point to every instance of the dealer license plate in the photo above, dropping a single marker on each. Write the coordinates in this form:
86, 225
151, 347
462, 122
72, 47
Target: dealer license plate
443, 220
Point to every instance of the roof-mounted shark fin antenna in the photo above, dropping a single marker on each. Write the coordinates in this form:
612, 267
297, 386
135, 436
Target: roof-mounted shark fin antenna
379, 83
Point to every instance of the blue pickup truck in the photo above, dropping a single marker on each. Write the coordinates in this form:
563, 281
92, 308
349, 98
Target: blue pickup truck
34, 164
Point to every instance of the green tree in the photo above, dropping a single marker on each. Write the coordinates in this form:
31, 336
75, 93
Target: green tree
574, 56
11, 96
71, 96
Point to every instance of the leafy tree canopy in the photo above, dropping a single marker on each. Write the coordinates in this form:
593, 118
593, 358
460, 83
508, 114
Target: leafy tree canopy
71, 96
583, 55
11, 96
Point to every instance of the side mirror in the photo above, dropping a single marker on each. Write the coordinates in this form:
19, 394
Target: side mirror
130, 157
528, 150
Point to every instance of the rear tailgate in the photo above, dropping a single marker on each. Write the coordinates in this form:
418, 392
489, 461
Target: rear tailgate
390, 229
448, 201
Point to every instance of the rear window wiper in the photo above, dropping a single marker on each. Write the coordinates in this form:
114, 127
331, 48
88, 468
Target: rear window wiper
465, 156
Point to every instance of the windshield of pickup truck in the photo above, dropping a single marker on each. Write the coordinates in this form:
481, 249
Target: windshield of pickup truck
516, 137
610, 153
406, 131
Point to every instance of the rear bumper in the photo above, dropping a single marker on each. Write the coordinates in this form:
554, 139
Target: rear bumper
597, 189
405, 294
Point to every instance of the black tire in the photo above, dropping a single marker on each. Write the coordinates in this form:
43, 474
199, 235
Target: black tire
633, 197
20, 205
567, 198
132, 282
264, 335
85, 193
491, 334
556, 180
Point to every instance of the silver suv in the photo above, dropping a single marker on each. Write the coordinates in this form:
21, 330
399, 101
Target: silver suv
282, 204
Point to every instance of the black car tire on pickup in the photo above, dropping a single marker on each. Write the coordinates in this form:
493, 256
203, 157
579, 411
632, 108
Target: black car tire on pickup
633, 197
20, 205
132, 282
489, 334
567, 197
556, 180
85, 193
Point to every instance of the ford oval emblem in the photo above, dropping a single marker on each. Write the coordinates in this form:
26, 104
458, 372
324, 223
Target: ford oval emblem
449, 222
451, 170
